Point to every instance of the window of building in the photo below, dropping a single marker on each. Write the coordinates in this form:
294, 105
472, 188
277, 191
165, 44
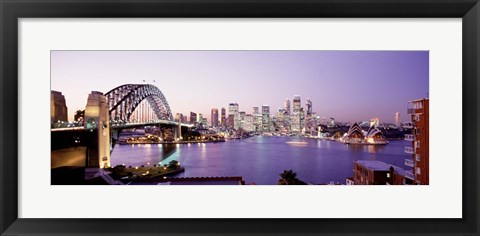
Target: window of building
418, 105
388, 175
418, 171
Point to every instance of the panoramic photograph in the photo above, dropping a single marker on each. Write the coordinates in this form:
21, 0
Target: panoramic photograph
239, 117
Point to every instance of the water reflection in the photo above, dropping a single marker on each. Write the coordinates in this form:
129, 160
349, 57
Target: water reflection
262, 159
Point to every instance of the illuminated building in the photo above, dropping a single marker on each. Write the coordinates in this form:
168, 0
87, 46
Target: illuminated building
418, 111
257, 120
302, 119
296, 116
223, 118
249, 120
356, 135
374, 122
231, 121
178, 117
280, 117
193, 117
265, 118
398, 121
233, 110
214, 117
241, 120
204, 123
287, 106
308, 105
331, 123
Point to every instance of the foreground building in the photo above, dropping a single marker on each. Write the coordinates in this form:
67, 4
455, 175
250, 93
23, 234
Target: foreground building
418, 110
371, 172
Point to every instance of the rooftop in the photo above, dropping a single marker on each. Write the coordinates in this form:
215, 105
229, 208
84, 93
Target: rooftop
380, 166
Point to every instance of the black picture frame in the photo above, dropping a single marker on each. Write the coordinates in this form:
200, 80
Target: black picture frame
11, 11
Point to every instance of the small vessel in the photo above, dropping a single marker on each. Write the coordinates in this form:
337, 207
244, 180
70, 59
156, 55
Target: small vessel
297, 143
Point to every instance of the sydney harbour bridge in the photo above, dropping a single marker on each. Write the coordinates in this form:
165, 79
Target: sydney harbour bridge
106, 115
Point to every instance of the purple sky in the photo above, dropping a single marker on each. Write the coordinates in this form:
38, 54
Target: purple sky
347, 85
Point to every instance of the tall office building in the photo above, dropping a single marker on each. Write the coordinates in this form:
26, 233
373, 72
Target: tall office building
265, 118
257, 120
375, 122
418, 111
200, 120
308, 105
233, 110
241, 120
249, 120
280, 117
214, 117
255, 110
398, 121
231, 121
193, 117
296, 104
287, 106
178, 117
223, 118
302, 119
296, 116
331, 123
58, 107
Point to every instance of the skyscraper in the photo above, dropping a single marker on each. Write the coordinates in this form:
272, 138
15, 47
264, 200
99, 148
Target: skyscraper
398, 121
249, 120
296, 116
308, 105
214, 117
257, 120
241, 120
193, 117
375, 122
296, 104
178, 117
255, 110
231, 121
223, 118
287, 106
233, 110
265, 118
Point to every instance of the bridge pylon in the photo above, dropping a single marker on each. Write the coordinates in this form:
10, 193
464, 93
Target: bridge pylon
97, 119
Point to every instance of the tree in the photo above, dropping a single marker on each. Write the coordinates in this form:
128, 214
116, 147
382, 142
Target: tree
288, 177
173, 164
118, 170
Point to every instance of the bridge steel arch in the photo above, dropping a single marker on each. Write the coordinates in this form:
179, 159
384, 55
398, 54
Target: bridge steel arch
123, 100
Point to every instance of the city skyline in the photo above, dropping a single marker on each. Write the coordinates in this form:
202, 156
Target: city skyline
347, 85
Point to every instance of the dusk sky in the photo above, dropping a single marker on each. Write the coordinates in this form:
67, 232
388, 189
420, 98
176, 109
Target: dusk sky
347, 85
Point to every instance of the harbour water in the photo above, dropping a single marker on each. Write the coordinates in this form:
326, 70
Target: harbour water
260, 159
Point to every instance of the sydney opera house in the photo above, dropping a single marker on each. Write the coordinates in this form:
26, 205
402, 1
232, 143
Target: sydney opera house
356, 135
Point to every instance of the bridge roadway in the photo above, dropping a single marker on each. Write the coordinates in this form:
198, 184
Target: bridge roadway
121, 125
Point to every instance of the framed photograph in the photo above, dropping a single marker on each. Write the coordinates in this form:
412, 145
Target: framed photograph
255, 118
